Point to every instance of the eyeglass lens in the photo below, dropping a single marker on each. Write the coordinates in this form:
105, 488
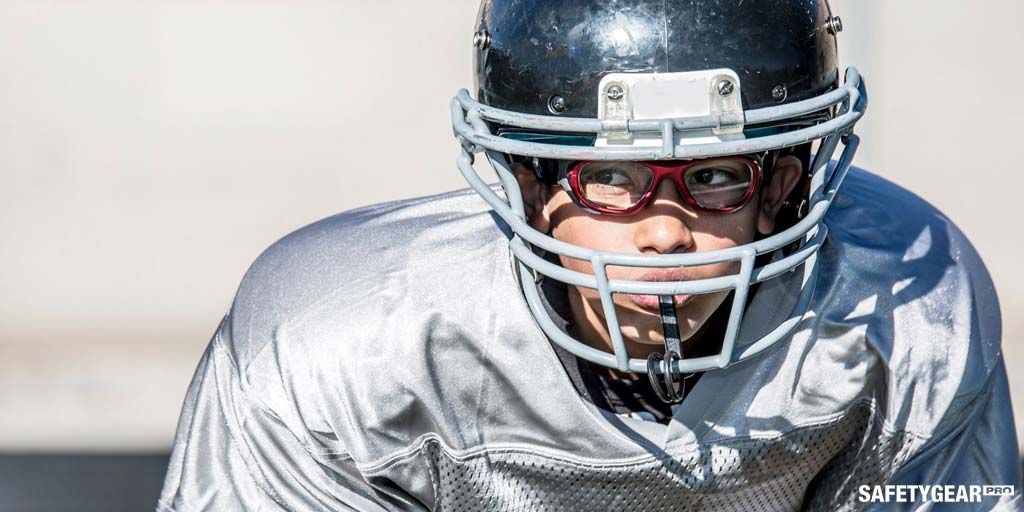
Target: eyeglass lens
713, 184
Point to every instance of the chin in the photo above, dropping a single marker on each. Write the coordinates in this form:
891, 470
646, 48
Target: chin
653, 332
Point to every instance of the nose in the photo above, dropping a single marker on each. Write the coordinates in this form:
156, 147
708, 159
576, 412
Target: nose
661, 227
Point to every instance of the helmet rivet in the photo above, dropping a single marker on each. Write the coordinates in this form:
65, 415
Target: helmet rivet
615, 92
556, 104
834, 25
779, 92
725, 87
481, 39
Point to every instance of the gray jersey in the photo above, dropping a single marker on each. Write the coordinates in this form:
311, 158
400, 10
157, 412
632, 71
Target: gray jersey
385, 359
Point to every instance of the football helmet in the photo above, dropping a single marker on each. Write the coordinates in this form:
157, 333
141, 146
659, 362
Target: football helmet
652, 80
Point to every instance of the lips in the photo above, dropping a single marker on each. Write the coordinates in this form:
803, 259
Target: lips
653, 302
664, 275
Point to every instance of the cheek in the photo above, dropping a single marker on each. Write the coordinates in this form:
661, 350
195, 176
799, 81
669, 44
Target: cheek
724, 231
725, 234
585, 231
573, 225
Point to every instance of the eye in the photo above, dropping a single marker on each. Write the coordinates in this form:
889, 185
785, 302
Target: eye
610, 177
719, 184
616, 185
714, 176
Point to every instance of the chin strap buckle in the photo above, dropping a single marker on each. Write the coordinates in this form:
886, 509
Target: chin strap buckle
667, 386
668, 389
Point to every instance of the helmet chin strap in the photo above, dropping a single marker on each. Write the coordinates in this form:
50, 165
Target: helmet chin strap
668, 388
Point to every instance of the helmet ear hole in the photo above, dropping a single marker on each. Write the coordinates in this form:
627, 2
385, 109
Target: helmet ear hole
791, 211
546, 170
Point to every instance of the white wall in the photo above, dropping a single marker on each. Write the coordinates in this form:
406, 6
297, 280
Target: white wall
150, 150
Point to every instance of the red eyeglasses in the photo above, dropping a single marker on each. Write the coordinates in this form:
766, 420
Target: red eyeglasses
712, 185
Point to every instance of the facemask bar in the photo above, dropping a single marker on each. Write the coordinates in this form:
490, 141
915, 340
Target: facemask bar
470, 127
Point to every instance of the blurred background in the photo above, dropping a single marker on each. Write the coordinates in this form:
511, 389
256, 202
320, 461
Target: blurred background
149, 151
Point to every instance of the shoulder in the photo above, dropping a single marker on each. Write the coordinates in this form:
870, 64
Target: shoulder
356, 259
900, 271
887, 242
346, 315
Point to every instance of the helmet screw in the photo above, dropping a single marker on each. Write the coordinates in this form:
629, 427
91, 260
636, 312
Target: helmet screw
725, 87
779, 92
556, 104
834, 25
615, 92
482, 39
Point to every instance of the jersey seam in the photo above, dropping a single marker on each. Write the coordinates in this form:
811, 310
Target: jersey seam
983, 393
237, 424
981, 399
163, 507
381, 464
261, 405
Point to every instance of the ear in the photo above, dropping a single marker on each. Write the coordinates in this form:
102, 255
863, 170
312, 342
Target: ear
535, 197
785, 176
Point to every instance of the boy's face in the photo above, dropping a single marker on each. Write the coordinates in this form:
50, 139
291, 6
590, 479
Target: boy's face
666, 225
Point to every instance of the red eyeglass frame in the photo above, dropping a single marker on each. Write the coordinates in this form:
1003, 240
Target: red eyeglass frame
662, 169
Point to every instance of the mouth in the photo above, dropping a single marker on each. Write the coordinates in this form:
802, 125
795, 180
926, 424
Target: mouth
652, 302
